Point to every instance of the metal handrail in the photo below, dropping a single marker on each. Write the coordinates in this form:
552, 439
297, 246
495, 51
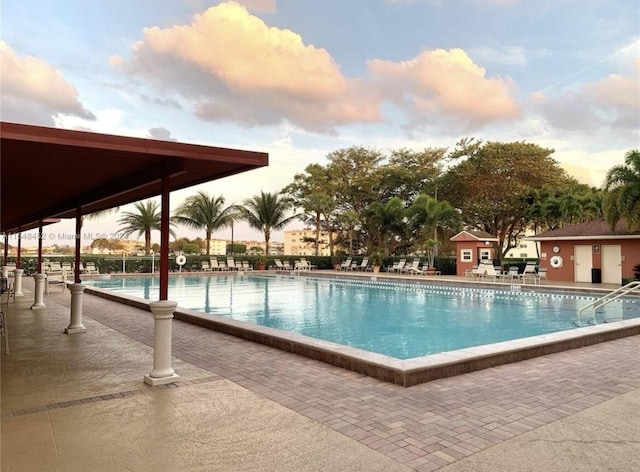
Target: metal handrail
608, 298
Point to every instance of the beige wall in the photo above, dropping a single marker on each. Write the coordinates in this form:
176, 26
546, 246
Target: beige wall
295, 245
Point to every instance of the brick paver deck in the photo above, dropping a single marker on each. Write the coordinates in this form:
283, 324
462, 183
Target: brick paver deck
426, 426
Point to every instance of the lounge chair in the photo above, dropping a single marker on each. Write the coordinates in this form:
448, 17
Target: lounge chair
206, 266
346, 265
55, 276
91, 268
67, 267
529, 272
542, 274
513, 273
231, 264
364, 265
302, 264
400, 267
214, 264
287, 265
490, 272
246, 265
279, 264
413, 266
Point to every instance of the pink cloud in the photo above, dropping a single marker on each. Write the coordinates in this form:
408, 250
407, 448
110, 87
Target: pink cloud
34, 91
447, 84
233, 66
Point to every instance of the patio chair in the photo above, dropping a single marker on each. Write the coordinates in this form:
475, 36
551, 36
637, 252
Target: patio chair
67, 267
490, 272
471, 273
246, 265
231, 264
400, 267
412, 267
513, 273
529, 272
364, 264
287, 265
346, 265
91, 268
541, 274
214, 264
302, 264
206, 266
278, 264
7, 288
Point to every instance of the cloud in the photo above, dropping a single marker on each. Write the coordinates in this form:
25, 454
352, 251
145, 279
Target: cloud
161, 133
264, 6
445, 86
610, 103
34, 91
233, 67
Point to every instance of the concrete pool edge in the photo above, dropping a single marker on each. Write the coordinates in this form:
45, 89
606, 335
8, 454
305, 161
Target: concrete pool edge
401, 372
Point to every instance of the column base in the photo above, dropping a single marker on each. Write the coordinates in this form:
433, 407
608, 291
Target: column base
40, 306
153, 381
75, 330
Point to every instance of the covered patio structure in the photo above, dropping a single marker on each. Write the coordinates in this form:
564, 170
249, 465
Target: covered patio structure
49, 174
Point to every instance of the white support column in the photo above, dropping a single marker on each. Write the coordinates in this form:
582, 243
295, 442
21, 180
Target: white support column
75, 325
17, 284
38, 303
162, 372
5, 271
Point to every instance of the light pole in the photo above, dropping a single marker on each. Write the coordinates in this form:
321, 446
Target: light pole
153, 260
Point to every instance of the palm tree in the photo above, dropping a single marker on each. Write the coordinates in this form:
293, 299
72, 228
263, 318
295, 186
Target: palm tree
622, 185
146, 219
201, 211
266, 212
428, 214
385, 224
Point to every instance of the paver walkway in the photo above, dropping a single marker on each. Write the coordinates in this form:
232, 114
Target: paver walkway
425, 427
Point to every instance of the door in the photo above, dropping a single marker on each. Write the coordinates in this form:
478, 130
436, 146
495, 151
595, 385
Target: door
611, 264
582, 263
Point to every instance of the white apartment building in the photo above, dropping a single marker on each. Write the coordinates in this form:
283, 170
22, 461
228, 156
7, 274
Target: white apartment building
296, 242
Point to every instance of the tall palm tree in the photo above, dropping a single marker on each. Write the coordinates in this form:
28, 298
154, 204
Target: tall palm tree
146, 219
427, 215
385, 223
202, 211
622, 185
266, 212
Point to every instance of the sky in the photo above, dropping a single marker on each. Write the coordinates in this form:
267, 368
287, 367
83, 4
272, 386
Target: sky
300, 79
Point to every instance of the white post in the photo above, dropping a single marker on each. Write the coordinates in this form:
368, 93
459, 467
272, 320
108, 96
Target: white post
124, 268
5, 271
153, 261
17, 285
38, 303
162, 372
75, 324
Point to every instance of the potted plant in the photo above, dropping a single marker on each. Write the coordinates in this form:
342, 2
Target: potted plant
262, 263
375, 259
430, 249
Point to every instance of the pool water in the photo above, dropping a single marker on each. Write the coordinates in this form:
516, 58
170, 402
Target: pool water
401, 320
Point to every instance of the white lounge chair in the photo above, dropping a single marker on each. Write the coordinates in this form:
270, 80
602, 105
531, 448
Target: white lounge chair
529, 273
231, 264
364, 265
246, 265
206, 266
490, 272
91, 268
513, 273
346, 265
400, 267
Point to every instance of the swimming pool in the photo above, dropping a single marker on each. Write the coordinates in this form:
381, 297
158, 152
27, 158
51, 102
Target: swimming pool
396, 319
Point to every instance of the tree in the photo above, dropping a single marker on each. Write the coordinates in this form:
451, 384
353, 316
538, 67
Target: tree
202, 211
146, 219
427, 215
622, 187
492, 185
385, 224
266, 212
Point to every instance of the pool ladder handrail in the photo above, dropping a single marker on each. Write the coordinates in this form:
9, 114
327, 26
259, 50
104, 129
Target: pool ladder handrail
608, 298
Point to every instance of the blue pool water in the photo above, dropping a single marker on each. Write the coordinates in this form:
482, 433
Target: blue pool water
396, 319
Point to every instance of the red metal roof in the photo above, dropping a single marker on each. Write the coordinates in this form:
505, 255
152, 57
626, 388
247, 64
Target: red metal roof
49, 172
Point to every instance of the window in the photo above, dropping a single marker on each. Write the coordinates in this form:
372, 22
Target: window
466, 255
485, 254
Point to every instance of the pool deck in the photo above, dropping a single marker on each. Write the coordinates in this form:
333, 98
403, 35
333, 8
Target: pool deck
77, 402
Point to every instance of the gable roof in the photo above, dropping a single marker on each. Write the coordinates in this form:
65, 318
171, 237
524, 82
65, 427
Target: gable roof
473, 236
594, 229
46, 173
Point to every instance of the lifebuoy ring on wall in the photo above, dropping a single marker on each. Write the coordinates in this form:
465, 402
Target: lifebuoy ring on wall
181, 260
556, 262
